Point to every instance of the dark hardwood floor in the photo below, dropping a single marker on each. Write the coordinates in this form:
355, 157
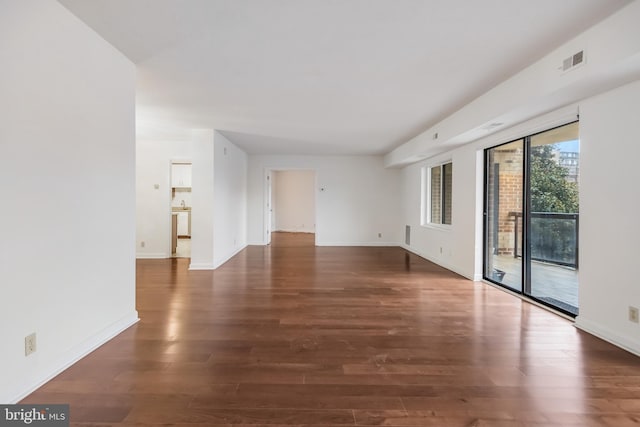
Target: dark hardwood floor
293, 334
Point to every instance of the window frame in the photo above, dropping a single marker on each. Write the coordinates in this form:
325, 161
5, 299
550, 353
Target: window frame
426, 196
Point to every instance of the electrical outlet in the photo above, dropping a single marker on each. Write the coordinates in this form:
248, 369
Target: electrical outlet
142, 244
633, 315
29, 344
379, 235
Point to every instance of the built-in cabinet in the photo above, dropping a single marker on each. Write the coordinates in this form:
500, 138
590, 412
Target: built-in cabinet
184, 221
180, 175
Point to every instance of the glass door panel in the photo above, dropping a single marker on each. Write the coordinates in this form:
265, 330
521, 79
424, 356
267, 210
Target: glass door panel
554, 218
503, 214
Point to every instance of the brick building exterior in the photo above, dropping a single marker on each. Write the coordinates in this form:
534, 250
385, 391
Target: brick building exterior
507, 164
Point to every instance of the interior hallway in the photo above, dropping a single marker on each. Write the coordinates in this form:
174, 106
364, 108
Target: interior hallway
293, 334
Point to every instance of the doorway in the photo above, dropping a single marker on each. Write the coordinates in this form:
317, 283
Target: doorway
181, 209
291, 204
532, 216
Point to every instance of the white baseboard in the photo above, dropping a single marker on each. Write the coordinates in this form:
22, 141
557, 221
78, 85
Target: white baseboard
364, 244
294, 230
152, 256
608, 335
70, 357
201, 266
346, 244
449, 267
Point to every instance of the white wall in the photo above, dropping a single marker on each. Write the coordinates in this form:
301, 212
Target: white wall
454, 247
230, 200
219, 197
462, 243
605, 92
609, 227
356, 198
294, 201
68, 229
202, 198
153, 205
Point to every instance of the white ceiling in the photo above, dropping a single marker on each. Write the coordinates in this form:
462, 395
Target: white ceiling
324, 76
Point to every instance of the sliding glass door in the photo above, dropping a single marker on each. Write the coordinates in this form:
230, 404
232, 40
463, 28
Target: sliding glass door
554, 159
532, 216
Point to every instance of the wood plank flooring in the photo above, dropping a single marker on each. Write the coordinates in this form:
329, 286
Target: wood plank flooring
296, 335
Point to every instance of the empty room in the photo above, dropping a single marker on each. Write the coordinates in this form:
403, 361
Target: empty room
319, 213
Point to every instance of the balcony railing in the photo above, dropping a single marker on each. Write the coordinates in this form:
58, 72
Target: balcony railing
554, 237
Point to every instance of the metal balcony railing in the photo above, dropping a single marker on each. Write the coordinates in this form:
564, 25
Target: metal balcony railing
554, 237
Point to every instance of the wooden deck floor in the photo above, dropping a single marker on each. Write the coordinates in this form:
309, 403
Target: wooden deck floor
293, 334
548, 280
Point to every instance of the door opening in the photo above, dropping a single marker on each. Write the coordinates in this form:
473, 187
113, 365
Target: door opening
291, 205
532, 216
181, 209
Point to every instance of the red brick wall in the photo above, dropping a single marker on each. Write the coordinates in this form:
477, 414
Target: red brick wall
509, 158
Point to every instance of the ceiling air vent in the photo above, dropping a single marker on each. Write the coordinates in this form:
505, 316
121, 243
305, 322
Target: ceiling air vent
573, 61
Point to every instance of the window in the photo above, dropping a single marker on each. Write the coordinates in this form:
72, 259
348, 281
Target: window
437, 200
